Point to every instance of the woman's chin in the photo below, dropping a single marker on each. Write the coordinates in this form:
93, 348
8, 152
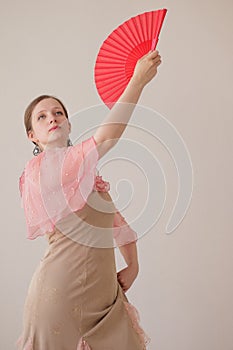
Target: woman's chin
56, 142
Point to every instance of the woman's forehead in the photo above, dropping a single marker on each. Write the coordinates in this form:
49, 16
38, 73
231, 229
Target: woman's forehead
46, 104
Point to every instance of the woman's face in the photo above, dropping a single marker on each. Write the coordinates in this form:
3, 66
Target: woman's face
48, 114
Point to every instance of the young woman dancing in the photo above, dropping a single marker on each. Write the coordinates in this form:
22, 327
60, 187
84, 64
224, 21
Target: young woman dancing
76, 299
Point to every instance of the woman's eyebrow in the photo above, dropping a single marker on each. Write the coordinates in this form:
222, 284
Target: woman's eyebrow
45, 109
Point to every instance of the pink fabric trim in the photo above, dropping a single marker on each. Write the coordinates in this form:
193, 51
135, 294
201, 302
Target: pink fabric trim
56, 183
101, 185
122, 232
82, 345
27, 346
19, 341
135, 318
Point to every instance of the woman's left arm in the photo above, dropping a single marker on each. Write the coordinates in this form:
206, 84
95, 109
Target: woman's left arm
127, 276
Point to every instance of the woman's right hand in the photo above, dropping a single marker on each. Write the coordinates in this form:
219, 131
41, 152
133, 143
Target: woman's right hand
146, 68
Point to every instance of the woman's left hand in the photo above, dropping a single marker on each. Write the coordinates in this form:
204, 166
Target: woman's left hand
127, 276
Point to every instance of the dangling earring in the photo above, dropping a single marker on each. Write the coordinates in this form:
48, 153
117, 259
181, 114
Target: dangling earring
36, 150
69, 143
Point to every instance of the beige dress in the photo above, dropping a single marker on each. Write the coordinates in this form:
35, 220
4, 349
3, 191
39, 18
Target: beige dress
74, 300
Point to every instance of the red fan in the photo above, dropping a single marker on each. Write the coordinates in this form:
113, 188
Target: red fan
122, 49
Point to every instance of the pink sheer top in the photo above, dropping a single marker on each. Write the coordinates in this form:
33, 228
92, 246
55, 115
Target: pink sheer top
57, 182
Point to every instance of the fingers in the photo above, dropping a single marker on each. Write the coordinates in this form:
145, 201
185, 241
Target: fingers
122, 282
153, 54
150, 55
123, 285
157, 60
119, 277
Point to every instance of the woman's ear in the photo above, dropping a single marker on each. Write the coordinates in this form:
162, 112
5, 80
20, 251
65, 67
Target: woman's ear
31, 136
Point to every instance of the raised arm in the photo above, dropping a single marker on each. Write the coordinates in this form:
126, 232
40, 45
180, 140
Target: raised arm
113, 126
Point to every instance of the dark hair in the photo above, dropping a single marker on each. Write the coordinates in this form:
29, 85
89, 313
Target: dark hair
32, 105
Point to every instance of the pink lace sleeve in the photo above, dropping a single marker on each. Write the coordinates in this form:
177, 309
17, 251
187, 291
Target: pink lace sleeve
21, 186
122, 232
55, 183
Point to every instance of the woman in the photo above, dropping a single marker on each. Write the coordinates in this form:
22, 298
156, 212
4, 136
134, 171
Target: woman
76, 300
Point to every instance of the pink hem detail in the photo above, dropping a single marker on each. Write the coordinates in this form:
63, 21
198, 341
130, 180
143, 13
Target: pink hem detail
27, 346
82, 345
135, 318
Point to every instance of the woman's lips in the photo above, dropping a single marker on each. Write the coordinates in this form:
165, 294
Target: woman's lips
54, 128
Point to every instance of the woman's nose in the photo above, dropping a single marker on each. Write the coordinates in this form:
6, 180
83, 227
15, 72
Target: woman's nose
52, 118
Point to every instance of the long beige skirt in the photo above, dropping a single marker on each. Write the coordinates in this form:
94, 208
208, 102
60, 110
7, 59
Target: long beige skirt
74, 300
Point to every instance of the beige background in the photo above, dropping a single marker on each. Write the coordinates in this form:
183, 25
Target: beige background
184, 289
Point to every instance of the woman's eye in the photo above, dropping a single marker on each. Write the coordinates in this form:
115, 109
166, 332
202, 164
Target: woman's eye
59, 112
42, 115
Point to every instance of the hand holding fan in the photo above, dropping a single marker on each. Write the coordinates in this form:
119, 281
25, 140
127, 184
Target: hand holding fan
122, 49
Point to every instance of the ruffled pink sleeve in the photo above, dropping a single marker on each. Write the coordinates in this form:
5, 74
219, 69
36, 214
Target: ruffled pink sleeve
122, 232
56, 183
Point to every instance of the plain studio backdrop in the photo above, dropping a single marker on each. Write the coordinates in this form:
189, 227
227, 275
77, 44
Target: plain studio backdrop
184, 288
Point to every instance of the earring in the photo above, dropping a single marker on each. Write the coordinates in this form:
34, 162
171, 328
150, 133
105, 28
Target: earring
36, 150
69, 143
